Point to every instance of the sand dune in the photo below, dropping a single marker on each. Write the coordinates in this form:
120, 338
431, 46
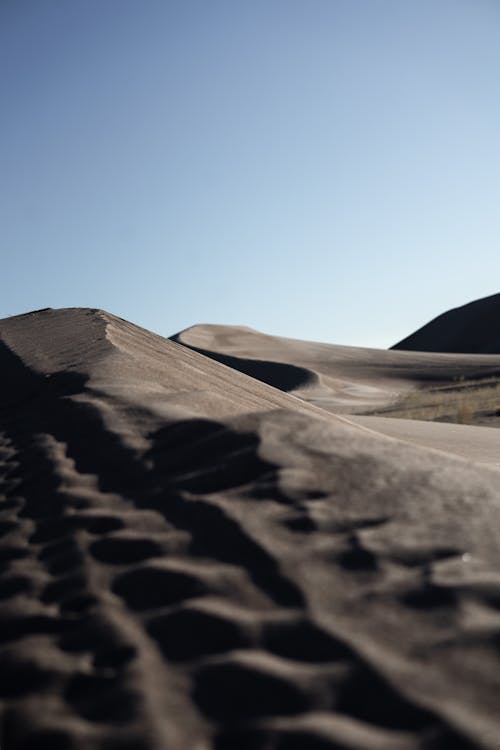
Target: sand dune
194, 559
469, 328
341, 379
357, 381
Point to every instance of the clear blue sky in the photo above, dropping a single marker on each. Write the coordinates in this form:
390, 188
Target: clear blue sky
322, 169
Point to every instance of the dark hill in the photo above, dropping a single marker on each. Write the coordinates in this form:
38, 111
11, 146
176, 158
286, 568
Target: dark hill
471, 329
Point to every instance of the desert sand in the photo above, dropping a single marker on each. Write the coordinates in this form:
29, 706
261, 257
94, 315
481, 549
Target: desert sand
194, 559
469, 328
341, 379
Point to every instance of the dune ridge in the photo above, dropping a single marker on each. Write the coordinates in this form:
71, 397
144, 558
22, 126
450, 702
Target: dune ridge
191, 558
470, 328
376, 388
339, 379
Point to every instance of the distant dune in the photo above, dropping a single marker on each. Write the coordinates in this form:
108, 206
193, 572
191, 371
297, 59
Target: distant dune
194, 559
342, 379
373, 384
473, 328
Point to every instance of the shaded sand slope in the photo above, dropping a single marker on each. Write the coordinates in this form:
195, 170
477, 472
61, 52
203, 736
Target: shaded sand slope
340, 379
191, 559
473, 328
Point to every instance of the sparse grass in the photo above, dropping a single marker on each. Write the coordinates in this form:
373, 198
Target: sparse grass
461, 401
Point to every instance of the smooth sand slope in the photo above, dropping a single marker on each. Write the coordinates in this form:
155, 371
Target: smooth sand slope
479, 444
191, 559
470, 328
356, 381
342, 379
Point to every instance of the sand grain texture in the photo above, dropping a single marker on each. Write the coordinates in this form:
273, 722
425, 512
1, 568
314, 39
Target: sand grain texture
193, 559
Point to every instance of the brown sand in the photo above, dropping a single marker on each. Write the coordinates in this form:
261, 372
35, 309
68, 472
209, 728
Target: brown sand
192, 559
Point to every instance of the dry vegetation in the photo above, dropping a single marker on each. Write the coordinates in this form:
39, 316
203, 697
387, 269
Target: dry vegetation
463, 401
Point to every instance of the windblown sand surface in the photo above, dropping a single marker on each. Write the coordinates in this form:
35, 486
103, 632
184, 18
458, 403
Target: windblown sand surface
480, 444
341, 379
357, 381
192, 559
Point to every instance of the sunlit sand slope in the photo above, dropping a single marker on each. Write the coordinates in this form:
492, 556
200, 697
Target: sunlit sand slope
342, 379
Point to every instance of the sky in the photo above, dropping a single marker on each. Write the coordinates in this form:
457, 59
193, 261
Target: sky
319, 169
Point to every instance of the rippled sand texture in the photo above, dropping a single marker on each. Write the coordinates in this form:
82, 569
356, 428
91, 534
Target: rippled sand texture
191, 559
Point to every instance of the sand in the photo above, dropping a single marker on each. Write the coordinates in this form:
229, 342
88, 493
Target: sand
470, 328
193, 559
340, 379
